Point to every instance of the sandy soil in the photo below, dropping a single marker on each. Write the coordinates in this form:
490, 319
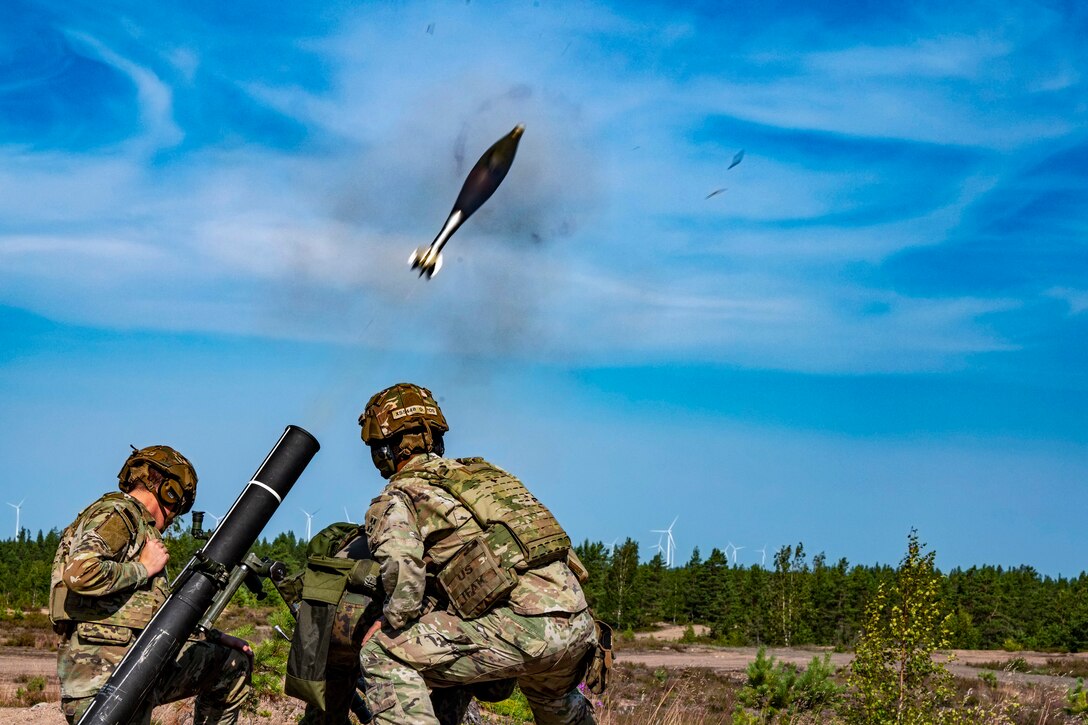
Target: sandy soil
19, 664
736, 659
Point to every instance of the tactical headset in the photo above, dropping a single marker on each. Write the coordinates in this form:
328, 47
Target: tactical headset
171, 492
384, 452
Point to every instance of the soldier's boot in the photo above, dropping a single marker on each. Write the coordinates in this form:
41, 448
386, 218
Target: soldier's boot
548, 709
74, 707
451, 705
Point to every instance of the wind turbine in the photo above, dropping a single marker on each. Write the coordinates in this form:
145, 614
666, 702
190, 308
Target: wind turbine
763, 551
670, 544
661, 549
18, 509
217, 518
727, 548
309, 518
347, 517
735, 550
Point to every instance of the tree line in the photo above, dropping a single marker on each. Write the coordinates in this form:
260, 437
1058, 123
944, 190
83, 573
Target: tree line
26, 563
803, 601
798, 601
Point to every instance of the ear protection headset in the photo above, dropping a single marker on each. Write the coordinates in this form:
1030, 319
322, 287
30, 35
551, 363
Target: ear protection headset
384, 453
170, 492
173, 495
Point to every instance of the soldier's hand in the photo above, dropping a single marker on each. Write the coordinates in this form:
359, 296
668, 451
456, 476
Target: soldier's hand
229, 640
154, 556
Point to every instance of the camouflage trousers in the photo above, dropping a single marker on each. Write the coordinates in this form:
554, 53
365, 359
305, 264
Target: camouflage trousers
546, 654
217, 675
450, 704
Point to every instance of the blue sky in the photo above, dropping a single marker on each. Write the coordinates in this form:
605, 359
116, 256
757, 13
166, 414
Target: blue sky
880, 324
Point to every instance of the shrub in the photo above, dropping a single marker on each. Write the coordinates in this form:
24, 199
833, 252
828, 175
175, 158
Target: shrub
775, 688
1017, 664
1011, 645
22, 639
1076, 700
269, 659
33, 693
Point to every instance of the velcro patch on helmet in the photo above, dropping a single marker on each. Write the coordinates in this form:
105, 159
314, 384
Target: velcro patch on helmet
114, 532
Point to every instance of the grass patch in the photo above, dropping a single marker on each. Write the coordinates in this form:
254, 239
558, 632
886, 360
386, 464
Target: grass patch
1055, 666
514, 709
30, 692
25, 620
21, 638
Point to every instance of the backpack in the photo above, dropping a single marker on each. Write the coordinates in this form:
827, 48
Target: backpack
335, 598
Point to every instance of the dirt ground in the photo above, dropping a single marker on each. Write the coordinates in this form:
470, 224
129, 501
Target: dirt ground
18, 664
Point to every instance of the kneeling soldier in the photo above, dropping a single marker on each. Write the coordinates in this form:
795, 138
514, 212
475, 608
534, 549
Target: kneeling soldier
480, 579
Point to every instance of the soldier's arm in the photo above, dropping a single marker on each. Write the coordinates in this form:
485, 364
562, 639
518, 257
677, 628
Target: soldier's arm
396, 544
94, 566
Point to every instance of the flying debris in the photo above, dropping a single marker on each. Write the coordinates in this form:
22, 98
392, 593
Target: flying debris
430, 29
715, 192
737, 158
480, 184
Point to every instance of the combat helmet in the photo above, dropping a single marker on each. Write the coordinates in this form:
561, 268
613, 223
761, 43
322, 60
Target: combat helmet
178, 489
397, 412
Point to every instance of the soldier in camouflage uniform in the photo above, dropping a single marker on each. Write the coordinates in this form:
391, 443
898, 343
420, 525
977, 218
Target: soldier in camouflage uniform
480, 578
108, 580
323, 664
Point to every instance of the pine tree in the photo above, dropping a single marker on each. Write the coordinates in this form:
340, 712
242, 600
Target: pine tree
619, 605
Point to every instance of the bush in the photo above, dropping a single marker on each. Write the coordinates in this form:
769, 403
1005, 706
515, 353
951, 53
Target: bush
22, 639
1017, 664
33, 693
776, 688
1076, 700
269, 659
1011, 645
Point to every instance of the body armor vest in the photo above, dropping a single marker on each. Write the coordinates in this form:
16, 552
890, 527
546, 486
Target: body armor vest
131, 608
518, 533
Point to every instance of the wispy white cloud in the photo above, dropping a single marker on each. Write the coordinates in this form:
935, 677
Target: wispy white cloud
158, 129
1077, 299
601, 238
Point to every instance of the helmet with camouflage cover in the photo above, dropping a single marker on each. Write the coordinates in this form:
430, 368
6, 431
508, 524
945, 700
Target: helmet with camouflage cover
400, 420
399, 408
178, 488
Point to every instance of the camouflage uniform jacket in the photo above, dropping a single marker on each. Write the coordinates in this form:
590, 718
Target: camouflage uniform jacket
100, 593
415, 527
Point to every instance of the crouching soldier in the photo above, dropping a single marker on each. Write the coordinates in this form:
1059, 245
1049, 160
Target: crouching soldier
473, 537
335, 600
